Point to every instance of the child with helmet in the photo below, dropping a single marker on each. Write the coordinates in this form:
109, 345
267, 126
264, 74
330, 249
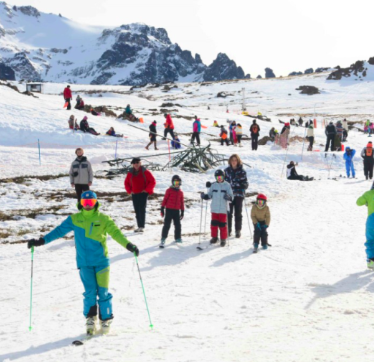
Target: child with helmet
221, 194
260, 216
174, 204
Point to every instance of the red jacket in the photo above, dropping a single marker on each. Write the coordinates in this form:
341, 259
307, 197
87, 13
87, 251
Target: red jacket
169, 122
67, 93
173, 199
143, 181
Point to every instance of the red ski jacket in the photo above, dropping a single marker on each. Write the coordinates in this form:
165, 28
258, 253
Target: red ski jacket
143, 181
173, 199
67, 93
169, 122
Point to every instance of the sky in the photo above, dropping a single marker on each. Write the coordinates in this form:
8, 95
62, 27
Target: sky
287, 35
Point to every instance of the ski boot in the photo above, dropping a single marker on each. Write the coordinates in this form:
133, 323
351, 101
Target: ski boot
264, 246
179, 241
370, 264
139, 230
255, 247
213, 240
223, 242
105, 326
162, 245
91, 326
238, 234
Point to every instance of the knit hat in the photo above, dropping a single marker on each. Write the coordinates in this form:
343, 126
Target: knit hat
135, 160
85, 118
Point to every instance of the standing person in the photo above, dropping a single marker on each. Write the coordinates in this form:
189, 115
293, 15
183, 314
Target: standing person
196, 129
255, 133
68, 97
91, 228
220, 192
284, 135
330, 132
239, 134
345, 124
169, 126
310, 137
293, 175
152, 135
236, 176
231, 129
139, 183
260, 215
368, 199
338, 136
349, 166
174, 203
81, 175
368, 159
300, 121
272, 133
223, 135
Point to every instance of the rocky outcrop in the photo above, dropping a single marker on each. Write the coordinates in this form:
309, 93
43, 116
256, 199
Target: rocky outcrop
223, 68
259, 77
269, 73
21, 64
295, 73
6, 73
322, 69
308, 89
358, 69
29, 10
308, 71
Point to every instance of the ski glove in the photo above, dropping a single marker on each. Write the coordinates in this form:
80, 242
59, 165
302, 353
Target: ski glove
265, 226
227, 197
182, 215
132, 248
35, 242
258, 226
162, 211
204, 196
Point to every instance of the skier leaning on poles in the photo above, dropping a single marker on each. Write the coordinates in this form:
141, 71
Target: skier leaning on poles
91, 228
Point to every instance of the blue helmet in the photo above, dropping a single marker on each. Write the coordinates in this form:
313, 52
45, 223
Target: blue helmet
89, 195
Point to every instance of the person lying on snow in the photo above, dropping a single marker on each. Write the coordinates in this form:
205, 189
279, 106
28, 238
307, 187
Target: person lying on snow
293, 175
94, 113
91, 228
84, 127
112, 132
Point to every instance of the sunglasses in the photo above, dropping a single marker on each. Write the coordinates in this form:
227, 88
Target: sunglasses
260, 202
135, 163
176, 183
88, 202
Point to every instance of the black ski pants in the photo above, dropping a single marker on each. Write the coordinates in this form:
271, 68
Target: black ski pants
168, 130
330, 139
224, 141
140, 205
297, 177
196, 136
260, 235
172, 215
237, 205
311, 141
368, 168
239, 138
69, 105
254, 142
79, 189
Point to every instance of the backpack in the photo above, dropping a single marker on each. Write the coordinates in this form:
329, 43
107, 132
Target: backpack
369, 151
254, 128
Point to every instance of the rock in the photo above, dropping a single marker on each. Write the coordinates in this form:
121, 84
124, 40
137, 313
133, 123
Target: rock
371, 61
269, 73
223, 68
259, 77
354, 69
29, 10
223, 95
6, 73
55, 50
168, 105
309, 71
320, 70
23, 67
295, 73
264, 140
308, 89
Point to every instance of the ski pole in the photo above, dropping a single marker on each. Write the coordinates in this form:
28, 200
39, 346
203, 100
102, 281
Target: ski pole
249, 225
201, 220
206, 211
302, 152
32, 268
145, 298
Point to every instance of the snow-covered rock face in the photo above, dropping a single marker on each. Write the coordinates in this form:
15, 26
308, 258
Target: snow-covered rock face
48, 47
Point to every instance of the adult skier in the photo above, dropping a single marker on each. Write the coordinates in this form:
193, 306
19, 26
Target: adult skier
81, 175
152, 135
260, 215
139, 183
349, 166
68, 97
169, 126
91, 228
236, 176
310, 137
330, 132
196, 129
255, 133
368, 159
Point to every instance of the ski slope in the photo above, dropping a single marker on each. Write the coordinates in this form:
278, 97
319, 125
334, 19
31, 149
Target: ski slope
306, 298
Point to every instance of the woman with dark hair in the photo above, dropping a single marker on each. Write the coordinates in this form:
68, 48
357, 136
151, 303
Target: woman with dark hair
236, 176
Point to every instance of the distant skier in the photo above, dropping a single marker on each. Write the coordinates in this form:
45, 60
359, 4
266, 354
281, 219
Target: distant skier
330, 132
173, 202
260, 216
169, 126
349, 166
231, 130
196, 129
152, 135
81, 174
285, 132
293, 175
255, 133
239, 134
310, 137
68, 97
368, 159
221, 193
91, 228
300, 121
368, 199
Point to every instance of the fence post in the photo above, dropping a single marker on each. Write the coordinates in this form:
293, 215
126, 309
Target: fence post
40, 162
115, 154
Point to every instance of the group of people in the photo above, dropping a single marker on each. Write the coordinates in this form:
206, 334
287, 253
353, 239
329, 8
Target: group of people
85, 127
335, 135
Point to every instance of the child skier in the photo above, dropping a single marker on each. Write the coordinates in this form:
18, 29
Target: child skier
260, 215
368, 199
90, 232
221, 193
173, 202
349, 166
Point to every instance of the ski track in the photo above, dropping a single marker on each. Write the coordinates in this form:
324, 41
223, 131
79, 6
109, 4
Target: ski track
306, 298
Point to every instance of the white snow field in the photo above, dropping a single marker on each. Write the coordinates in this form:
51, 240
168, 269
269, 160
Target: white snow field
309, 297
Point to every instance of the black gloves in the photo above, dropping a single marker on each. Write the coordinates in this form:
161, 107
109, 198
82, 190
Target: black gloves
162, 211
244, 185
132, 248
204, 196
182, 215
227, 197
34, 242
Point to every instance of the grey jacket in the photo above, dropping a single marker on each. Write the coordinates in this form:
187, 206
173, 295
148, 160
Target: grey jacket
216, 192
83, 171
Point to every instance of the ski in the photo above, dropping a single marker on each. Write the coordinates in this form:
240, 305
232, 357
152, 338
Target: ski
163, 246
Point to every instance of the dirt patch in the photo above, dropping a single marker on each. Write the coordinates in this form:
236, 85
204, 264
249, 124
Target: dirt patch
23, 179
32, 214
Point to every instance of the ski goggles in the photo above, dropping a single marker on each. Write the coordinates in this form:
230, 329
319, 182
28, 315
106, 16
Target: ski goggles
176, 183
261, 203
88, 202
220, 178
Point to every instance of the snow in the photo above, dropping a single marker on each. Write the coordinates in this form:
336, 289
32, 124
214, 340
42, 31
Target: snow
306, 298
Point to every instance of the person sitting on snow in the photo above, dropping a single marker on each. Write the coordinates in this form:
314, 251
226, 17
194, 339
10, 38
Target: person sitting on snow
293, 175
349, 166
113, 133
176, 142
80, 103
84, 127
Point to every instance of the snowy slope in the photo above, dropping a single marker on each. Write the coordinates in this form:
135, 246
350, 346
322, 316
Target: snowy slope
307, 298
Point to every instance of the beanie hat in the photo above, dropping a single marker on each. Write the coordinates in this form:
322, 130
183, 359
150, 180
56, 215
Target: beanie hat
85, 118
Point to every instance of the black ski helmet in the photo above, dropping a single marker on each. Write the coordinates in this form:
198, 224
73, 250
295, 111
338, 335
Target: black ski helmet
219, 173
176, 178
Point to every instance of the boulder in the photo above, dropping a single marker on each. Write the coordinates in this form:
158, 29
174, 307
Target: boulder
223, 68
295, 73
308, 71
308, 89
269, 73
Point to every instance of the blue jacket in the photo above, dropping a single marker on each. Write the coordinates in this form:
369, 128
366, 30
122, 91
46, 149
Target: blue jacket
349, 157
216, 192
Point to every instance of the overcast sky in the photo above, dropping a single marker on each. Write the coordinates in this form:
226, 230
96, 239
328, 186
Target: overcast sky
286, 35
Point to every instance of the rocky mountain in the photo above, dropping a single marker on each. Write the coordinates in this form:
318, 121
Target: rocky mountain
37, 46
358, 70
